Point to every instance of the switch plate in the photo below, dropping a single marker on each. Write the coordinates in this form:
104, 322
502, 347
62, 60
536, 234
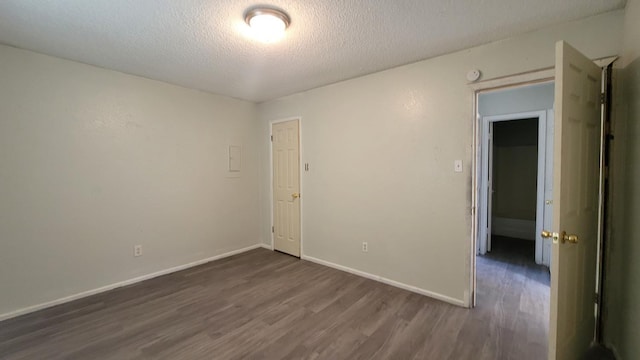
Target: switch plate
137, 250
235, 158
457, 166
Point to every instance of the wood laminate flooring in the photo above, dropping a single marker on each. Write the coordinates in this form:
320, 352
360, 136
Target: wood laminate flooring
266, 305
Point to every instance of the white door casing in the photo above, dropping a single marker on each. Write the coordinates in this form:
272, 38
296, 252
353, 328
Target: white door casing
544, 183
484, 231
490, 189
286, 186
547, 208
575, 203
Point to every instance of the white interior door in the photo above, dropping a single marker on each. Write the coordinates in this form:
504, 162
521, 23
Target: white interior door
575, 203
286, 187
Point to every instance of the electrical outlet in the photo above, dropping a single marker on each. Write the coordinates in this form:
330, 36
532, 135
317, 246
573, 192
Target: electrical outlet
365, 246
137, 250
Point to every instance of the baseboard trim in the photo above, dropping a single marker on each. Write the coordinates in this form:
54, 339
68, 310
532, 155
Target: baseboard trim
268, 247
384, 280
138, 279
514, 228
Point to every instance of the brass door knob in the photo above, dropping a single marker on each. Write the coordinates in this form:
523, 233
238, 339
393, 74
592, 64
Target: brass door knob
295, 195
559, 238
550, 235
571, 239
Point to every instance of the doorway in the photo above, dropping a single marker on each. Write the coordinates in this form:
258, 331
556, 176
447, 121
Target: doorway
515, 168
512, 183
576, 204
514, 203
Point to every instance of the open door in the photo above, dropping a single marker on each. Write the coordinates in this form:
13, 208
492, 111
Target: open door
575, 203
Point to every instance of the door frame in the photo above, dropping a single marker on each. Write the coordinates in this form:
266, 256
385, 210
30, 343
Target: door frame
514, 81
300, 177
484, 244
509, 81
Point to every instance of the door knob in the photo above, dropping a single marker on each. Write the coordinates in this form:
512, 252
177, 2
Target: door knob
295, 195
546, 234
561, 237
550, 235
571, 239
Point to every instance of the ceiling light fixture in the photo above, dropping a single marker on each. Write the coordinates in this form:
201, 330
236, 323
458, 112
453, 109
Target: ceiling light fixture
267, 24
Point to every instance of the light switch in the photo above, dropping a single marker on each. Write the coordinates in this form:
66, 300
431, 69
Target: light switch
457, 166
235, 158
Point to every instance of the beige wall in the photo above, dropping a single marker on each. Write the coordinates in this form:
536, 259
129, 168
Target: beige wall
622, 289
631, 36
381, 150
514, 182
94, 161
522, 99
630, 252
515, 169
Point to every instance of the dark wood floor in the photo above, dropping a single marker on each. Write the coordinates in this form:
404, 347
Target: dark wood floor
514, 293
265, 305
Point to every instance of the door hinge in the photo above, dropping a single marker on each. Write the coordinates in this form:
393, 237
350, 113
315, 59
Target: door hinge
602, 98
273, 229
272, 138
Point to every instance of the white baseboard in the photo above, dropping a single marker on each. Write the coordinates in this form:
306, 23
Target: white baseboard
102, 289
381, 279
268, 247
514, 228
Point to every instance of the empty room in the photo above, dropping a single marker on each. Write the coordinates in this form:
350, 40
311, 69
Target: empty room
319, 180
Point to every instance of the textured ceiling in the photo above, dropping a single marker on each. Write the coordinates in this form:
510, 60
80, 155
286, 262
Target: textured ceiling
203, 44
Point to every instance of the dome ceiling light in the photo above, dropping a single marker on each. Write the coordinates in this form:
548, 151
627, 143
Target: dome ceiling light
267, 24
